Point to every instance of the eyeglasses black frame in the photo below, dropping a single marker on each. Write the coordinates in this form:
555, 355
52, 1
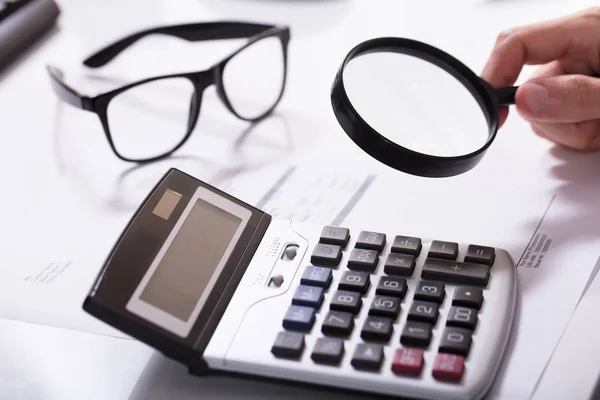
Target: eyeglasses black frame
201, 80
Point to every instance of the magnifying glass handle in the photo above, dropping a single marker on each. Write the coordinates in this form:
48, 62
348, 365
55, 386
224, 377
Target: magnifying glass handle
506, 96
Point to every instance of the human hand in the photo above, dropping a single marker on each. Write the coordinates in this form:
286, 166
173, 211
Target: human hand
562, 99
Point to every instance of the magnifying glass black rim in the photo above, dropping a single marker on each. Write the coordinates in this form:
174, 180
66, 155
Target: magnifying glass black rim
392, 154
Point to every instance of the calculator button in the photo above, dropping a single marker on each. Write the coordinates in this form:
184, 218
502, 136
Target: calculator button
288, 345
407, 245
356, 281
445, 250
328, 351
416, 334
456, 272
317, 276
430, 291
311, 296
399, 264
408, 361
338, 323
423, 311
391, 286
448, 367
344, 300
335, 235
480, 254
468, 297
300, 318
370, 240
377, 329
363, 260
367, 356
385, 306
326, 254
455, 341
462, 317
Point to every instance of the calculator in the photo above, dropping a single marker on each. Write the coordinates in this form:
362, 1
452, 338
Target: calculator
223, 287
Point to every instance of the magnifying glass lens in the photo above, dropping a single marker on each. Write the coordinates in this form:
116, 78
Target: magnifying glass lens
415, 104
416, 108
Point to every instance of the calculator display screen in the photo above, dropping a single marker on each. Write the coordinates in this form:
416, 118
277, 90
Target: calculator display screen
191, 259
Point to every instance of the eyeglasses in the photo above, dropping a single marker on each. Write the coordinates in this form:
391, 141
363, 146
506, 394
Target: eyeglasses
149, 119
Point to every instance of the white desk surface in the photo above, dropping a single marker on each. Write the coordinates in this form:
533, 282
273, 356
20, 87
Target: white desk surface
40, 362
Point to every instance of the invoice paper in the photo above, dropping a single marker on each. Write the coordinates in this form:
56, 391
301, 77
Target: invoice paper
57, 249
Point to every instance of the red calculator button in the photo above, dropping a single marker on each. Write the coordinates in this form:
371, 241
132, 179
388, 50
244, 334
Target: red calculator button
408, 361
448, 367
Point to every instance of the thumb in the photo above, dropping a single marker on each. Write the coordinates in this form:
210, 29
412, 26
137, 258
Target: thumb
563, 98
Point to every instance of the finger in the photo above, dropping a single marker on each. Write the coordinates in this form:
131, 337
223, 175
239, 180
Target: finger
502, 115
541, 43
579, 136
553, 68
565, 98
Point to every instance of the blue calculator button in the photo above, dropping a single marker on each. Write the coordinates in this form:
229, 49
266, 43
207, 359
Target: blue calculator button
311, 296
299, 318
317, 276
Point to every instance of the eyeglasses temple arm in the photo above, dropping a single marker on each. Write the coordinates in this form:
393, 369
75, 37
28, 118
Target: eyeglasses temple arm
64, 91
190, 32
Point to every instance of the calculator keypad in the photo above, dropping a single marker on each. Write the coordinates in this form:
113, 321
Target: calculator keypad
391, 286
390, 298
338, 323
328, 351
363, 260
326, 254
399, 264
344, 300
355, 281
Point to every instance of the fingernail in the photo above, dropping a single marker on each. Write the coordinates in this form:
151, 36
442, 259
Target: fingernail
535, 97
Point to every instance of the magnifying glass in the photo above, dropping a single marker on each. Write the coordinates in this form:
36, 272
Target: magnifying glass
416, 108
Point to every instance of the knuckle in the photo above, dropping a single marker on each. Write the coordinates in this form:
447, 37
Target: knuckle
538, 130
507, 36
576, 91
586, 133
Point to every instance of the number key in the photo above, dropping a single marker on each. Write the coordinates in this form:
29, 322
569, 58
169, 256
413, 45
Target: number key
391, 286
377, 329
462, 317
455, 341
355, 281
423, 311
385, 306
430, 291
416, 334
338, 323
346, 301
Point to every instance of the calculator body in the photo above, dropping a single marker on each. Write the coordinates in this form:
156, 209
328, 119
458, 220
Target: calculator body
343, 307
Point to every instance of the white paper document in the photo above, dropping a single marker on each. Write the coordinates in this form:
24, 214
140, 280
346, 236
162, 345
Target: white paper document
57, 249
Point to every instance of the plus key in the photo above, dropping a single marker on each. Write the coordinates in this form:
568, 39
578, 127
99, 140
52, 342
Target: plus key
456, 272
